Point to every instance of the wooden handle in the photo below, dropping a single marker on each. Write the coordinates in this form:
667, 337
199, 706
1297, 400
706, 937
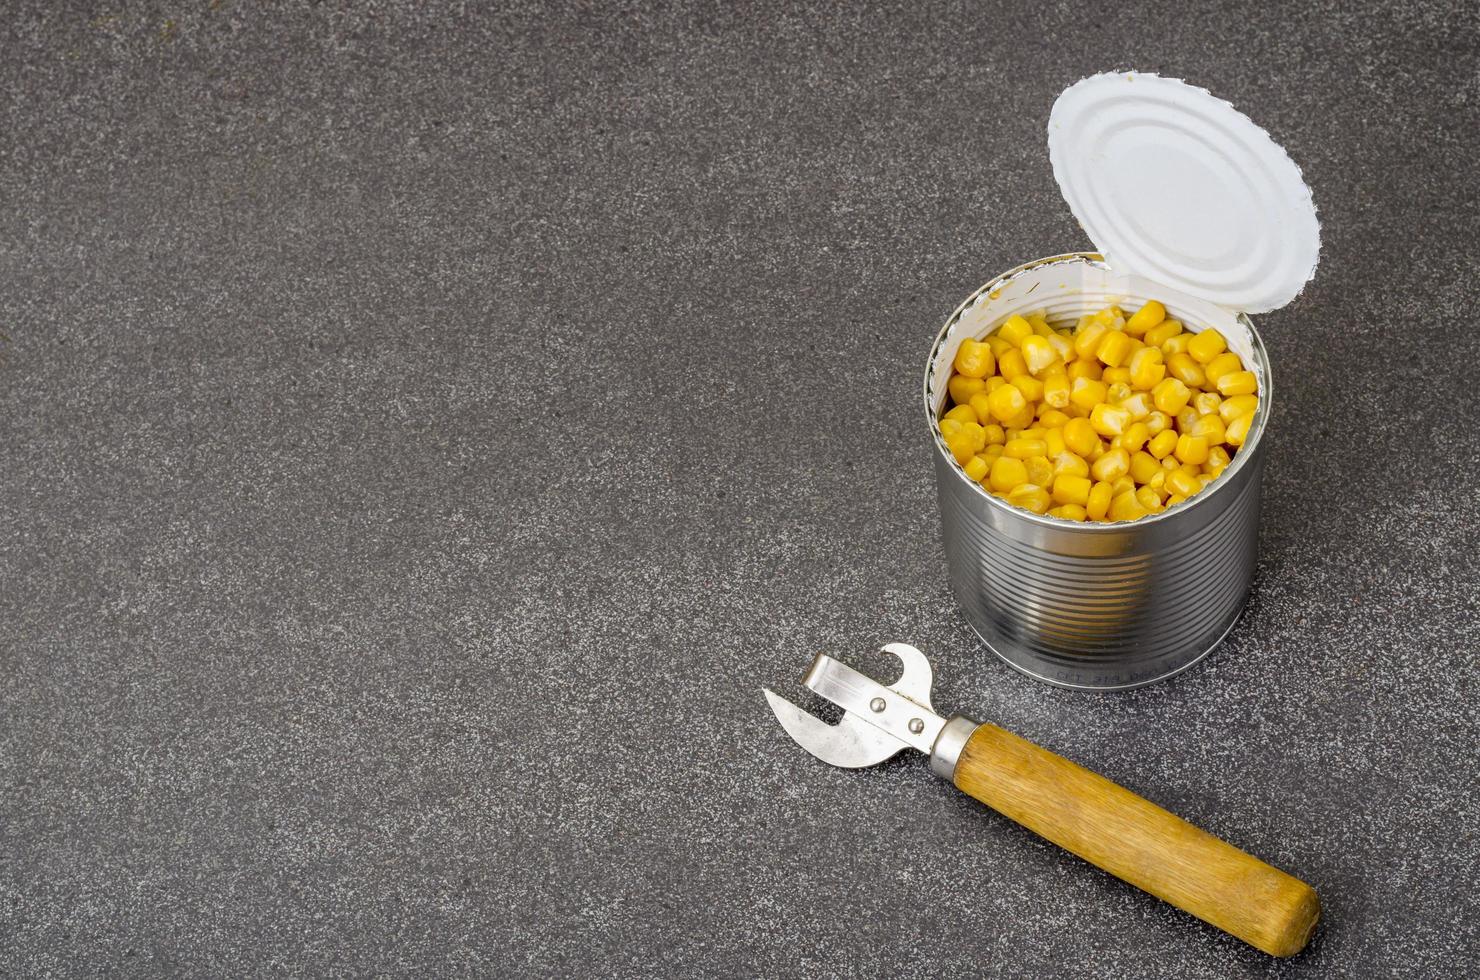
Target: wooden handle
1138, 841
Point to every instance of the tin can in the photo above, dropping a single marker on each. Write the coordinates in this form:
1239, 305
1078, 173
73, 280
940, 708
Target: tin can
1098, 606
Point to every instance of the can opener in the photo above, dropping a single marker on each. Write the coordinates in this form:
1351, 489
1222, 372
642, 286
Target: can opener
1081, 811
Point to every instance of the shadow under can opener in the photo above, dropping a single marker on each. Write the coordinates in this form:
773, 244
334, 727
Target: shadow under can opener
1081, 811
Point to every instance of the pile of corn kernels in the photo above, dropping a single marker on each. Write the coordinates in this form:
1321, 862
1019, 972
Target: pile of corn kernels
1120, 418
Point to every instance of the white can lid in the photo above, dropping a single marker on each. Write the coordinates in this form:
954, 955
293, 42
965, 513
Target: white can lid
1180, 187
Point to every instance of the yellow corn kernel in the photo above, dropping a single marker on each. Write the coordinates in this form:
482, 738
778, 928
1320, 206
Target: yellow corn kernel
1112, 317
1011, 364
1080, 436
1109, 420
1021, 448
1134, 437
1014, 330
1040, 470
1162, 444
962, 388
1071, 464
1098, 503
1117, 375
1170, 396
1117, 392
1010, 407
981, 404
1147, 368
1148, 498
1040, 323
1218, 458
1238, 430
1157, 423
1085, 369
1145, 318
1210, 427
1175, 499
1029, 497
1204, 480
1062, 346
1192, 450
1053, 419
1179, 482
963, 444
1030, 386
1007, 473
1038, 353
1010, 433
1122, 484
1053, 443
1111, 466
1087, 394
1116, 348
1158, 480
1143, 467
994, 382
1056, 391
977, 468
1238, 383
1138, 405
1000, 345
974, 359
1224, 363
1207, 402
949, 427
1169, 463
1237, 405
1180, 366
1162, 332
1087, 339
990, 452
1187, 418
1125, 507
1068, 512
1175, 344
1206, 345
1071, 489
962, 413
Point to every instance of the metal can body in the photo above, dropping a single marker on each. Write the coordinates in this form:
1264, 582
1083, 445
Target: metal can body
1098, 606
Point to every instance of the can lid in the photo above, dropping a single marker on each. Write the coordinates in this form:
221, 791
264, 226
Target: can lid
1178, 186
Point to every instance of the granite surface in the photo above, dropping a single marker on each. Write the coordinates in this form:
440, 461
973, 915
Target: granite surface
424, 429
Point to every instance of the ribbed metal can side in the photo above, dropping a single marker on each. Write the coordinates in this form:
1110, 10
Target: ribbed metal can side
1125, 607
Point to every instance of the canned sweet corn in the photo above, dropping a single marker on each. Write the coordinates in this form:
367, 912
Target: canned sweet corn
1097, 423
1076, 580
1108, 424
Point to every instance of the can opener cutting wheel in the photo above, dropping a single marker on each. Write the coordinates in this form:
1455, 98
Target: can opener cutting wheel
1082, 812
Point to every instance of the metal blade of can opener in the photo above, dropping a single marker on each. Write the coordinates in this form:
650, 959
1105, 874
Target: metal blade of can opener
1083, 812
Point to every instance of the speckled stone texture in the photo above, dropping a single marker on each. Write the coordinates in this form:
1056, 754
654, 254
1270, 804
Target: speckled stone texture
423, 430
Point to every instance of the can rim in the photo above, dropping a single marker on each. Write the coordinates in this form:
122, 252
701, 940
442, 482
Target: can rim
1251, 442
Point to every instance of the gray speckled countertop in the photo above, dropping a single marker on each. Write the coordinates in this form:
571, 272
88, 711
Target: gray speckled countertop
422, 432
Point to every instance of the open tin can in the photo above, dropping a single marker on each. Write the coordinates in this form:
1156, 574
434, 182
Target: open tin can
1193, 205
